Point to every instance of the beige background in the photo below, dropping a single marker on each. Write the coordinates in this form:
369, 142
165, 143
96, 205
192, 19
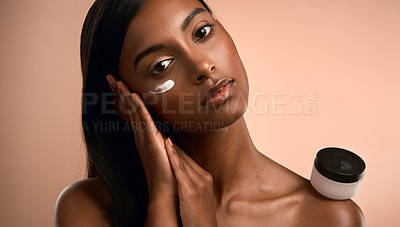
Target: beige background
345, 52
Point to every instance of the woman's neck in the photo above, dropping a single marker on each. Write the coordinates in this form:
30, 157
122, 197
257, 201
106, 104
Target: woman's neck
228, 154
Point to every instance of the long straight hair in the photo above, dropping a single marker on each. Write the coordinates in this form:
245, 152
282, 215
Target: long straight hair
109, 140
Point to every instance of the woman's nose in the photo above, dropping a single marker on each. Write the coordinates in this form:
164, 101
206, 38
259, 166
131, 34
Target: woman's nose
205, 69
202, 67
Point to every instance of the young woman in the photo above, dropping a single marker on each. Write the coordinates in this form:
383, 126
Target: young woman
177, 150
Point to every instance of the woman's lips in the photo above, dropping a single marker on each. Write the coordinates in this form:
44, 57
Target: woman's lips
219, 93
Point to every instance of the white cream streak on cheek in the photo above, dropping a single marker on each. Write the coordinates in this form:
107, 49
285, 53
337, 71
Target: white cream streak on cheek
161, 88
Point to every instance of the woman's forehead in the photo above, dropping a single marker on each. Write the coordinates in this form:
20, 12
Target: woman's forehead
156, 19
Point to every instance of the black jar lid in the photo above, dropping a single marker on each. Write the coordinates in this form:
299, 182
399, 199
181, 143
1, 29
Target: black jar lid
339, 165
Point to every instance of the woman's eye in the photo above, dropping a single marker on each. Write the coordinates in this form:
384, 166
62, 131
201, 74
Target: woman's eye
160, 66
203, 31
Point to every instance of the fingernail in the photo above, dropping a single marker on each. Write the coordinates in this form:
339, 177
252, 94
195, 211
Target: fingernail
110, 83
108, 78
133, 97
169, 142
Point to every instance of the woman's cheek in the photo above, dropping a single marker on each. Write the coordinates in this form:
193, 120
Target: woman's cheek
165, 105
163, 87
178, 106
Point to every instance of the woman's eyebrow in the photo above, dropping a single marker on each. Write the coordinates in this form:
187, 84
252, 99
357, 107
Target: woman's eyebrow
159, 46
148, 51
190, 17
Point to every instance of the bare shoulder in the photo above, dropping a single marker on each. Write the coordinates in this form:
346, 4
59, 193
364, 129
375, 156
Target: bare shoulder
83, 203
296, 203
317, 210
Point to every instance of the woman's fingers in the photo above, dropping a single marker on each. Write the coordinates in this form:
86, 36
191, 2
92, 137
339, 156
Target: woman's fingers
187, 171
137, 107
190, 161
195, 191
132, 105
129, 104
144, 114
122, 107
179, 167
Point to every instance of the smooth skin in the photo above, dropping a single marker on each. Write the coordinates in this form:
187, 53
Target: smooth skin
199, 177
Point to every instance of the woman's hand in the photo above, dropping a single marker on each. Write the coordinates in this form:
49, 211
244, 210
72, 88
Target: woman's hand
148, 139
195, 189
162, 209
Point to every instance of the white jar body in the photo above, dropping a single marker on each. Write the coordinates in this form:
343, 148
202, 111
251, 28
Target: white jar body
333, 189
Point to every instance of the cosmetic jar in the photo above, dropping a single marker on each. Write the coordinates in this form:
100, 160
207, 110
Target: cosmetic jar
337, 173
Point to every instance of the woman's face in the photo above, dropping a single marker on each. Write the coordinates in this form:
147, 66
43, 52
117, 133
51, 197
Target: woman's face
178, 41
